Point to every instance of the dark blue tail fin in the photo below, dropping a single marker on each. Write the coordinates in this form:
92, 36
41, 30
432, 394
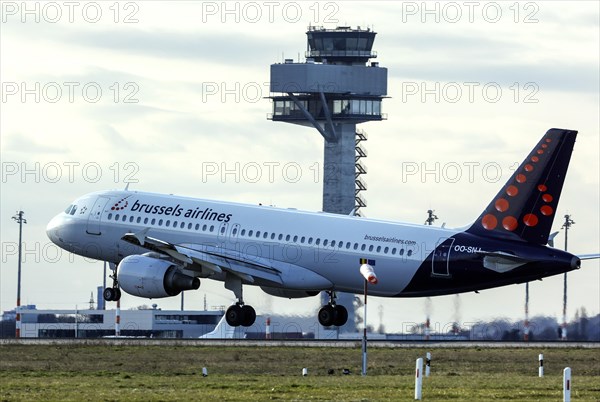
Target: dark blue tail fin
525, 207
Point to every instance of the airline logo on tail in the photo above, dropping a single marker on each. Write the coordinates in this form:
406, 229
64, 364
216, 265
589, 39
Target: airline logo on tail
525, 207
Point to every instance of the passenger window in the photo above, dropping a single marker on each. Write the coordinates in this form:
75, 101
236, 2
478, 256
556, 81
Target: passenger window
258, 233
310, 239
190, 226
139, 219
295, 239
363, 247
302, 239
145, 221
287, 238
153, 221
131, 219
117, 217
378, 248
318, 241
325, 243
124, 218
212, 228
385, 250
109, 216
182, 225
409, 253
272, 236
250, 233
168, 223
204, 228
234, 231
280, 236
265, 235
243, 232
160, 222
371, 247
401, 251
356, 246
197, 226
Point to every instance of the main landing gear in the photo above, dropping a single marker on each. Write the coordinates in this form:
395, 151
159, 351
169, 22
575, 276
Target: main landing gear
240, 313
332, 314
114, 293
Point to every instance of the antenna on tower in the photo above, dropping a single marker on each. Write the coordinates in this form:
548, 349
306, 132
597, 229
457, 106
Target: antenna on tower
91, 300
566, 226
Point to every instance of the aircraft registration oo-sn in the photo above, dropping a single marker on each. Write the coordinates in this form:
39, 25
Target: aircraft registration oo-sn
160, 245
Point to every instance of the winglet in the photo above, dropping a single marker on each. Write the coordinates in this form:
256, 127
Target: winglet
141, 235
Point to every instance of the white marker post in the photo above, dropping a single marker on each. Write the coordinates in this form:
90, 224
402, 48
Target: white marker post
541, 368
567, 384
419, 379
204, 372
427, 364
304, 372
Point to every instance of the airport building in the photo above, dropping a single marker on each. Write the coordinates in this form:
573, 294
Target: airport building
85, 323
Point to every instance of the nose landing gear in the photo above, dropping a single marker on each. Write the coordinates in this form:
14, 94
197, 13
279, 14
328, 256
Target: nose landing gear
113, 293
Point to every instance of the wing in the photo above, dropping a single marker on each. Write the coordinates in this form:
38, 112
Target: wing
215, 261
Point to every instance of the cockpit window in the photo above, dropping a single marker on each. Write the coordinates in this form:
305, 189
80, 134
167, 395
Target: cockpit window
71, 209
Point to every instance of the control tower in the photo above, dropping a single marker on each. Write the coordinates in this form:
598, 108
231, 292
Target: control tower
336, 88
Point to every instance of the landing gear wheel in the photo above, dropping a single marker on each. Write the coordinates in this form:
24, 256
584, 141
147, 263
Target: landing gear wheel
111, 294
327, 316
234, 315
341, 315
248, 316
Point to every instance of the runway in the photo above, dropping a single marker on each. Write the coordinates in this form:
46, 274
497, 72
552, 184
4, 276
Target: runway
299, 343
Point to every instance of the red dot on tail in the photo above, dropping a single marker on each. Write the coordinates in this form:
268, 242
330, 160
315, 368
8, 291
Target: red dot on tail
542, 187
544, 145
489, 222
547, 198
548, 139
540, 151
528, 167
530, 220
512, 190
501, 204
509, 223
546, 210
112, 208
521, 178
535, 159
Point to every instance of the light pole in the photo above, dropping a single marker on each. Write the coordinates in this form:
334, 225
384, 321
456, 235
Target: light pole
567, 225
368, 273
20, 220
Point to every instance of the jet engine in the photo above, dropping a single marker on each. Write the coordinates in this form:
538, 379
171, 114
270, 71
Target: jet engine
289, 293
150, 277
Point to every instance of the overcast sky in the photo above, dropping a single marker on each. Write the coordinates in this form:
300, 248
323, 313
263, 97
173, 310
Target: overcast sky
160, 94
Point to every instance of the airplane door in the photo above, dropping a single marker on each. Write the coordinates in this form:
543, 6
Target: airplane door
93, 223
440, 260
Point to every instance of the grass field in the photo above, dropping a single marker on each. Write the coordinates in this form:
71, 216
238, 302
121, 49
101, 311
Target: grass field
166, 373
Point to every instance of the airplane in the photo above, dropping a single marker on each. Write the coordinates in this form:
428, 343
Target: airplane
222, 331
159, 245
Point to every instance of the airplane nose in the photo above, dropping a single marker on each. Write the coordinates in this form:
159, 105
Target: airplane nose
53, 229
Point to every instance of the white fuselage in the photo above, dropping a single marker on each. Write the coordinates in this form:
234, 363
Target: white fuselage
330, 245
